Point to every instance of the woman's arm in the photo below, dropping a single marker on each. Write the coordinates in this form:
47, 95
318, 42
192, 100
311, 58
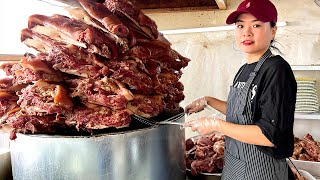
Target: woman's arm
250, 134
217, 104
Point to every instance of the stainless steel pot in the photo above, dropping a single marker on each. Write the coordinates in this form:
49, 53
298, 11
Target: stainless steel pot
5, 161
155, 153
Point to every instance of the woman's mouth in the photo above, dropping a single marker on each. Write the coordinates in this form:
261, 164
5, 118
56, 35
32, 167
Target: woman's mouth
247, 42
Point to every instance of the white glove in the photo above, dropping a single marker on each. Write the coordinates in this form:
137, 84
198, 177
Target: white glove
196, 105
204, 125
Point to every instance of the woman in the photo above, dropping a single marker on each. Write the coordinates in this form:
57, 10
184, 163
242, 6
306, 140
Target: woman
261, 102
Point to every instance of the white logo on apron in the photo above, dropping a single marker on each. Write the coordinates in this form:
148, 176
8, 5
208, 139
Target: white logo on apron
253, 91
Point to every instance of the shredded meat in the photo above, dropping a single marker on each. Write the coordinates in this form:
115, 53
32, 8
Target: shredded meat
306, 149
205, 154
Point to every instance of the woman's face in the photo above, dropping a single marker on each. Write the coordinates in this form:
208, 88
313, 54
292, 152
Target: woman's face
253, 36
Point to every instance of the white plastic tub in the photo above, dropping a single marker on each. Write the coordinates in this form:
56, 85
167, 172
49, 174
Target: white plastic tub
312, 167
307, 175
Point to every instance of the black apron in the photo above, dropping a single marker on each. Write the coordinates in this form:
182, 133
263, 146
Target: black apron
244, 161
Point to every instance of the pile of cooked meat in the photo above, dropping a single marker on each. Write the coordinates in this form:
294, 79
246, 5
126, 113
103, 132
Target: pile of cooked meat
306, 149
93, 70
205, 154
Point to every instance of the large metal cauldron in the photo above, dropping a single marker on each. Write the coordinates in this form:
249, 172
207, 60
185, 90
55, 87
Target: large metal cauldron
155, 153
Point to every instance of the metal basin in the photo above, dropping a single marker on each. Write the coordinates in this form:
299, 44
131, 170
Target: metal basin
5, 164
155, 153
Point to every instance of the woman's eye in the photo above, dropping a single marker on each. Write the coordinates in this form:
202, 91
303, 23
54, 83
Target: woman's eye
256, 25
239, 26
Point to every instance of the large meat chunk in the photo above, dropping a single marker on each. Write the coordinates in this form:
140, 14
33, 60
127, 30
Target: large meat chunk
98, 117
33, 69
80, 14
73, 61
70, 30
69, 59
127, 72
8, 104
105, 92
42, 97
105, 17
133, 17
159, 52
146, 106
23, 122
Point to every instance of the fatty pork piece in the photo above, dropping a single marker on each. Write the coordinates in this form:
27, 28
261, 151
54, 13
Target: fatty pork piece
8, 103
160, 52
71, 31
133, 17
42, 97
98, 117
65, 58
33, 69
102, 14
23, 122
106, 92
127, 72
80, 14
146, 106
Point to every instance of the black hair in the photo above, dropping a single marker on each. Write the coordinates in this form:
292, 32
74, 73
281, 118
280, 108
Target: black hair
272, 46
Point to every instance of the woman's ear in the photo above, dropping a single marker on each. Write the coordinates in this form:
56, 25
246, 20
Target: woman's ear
274, 31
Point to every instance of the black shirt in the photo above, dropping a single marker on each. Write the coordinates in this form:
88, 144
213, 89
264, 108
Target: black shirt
272, 95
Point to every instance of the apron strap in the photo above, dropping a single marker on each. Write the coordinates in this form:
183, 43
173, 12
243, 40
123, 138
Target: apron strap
245, 90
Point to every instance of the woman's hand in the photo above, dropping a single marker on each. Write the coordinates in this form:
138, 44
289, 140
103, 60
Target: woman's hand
204, 125
196, 105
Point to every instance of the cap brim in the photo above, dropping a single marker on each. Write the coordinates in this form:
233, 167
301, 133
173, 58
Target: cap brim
233, 16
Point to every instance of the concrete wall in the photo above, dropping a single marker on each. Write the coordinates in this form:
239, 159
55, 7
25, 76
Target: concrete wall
215, 61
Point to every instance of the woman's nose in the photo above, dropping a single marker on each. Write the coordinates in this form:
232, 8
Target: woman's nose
247, 32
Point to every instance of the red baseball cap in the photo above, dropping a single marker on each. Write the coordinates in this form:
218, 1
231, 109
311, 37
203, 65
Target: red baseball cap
263, 10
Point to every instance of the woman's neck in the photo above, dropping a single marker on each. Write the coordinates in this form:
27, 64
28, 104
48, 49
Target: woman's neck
254, 57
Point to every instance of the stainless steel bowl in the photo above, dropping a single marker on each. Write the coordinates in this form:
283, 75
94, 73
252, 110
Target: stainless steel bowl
155, 153
204, 176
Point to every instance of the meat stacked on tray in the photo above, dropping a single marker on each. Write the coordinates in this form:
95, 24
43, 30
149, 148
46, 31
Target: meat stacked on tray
306, 149
205, 154
93, 70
